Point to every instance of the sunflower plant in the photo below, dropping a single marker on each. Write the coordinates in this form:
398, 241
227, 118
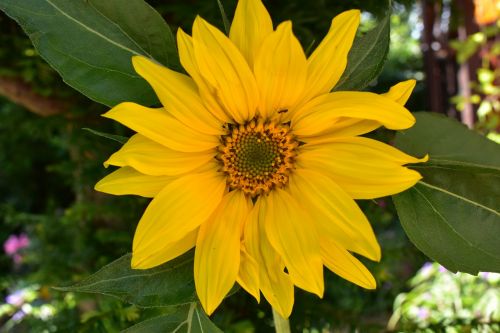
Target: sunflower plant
254, 152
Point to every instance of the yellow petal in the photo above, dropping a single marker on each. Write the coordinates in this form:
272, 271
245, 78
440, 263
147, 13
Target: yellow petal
186, 55
248, 276
294, 236
343, 127
345, 265
153, 159
335, 214
188, 61
400, 93
280, 71
251, 24
322, 112
225, 70
217, 256
129, 181
275, 284
159, 126
179, 95
164, 253
327, 63
182, 206
363, 167
352, 127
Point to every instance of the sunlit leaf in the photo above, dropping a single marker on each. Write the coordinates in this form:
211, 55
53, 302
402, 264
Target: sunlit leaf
453, 214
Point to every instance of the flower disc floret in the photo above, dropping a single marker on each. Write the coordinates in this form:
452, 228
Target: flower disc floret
257, 156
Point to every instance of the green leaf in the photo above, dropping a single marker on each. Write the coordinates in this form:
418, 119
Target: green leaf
225, 20
91, 42
187, 319
169, 284
144, 25
453, 213
114, 137
366, 57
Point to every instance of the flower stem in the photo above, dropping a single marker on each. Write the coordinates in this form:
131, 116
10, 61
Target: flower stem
281, 324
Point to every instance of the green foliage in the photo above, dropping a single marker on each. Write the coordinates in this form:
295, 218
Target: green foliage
225, 19
18, 58
453, 214
485, 92
467, 47
48, 168
187, 319
90, 43
19, 133
438, 298
169, 284
366, 57
404, 60
118, 138
153, 35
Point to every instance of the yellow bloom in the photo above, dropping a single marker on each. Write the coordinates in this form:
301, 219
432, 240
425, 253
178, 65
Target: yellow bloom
253, 161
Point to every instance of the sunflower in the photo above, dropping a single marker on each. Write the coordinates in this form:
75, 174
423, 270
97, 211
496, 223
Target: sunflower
254, 161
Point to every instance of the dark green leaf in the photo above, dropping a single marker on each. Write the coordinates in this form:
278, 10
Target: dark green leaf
114, 137
367, 57
143, 24
169, 284
187, 319
225, 20
91, 42
453, 214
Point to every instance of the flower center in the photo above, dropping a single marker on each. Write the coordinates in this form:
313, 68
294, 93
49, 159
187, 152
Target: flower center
257, 156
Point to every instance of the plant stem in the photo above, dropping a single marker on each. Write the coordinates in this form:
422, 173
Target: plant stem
281, 324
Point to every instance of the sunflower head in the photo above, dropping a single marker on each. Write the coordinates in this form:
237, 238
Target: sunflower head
254, 161
257, 157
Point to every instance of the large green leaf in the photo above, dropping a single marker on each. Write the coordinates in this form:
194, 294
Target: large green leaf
91, 42
187, 319
367, 57
453, 213
169, 284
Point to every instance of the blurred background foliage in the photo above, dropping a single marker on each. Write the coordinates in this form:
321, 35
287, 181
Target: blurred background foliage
57, 230
439, 298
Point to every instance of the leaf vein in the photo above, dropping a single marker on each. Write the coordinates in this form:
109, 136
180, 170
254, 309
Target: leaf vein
91, 65
460, 163
120, 28
460, 197
190, 317
92, 30
450, 225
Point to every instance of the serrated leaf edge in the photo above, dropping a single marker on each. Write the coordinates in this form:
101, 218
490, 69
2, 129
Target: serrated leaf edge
81, 285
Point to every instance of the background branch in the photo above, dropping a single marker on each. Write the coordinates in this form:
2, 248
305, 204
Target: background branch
22, 93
